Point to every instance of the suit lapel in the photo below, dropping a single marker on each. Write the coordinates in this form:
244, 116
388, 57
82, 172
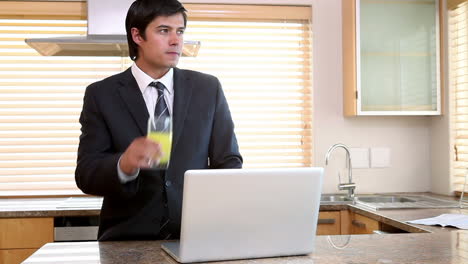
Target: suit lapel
131, 95
182, 95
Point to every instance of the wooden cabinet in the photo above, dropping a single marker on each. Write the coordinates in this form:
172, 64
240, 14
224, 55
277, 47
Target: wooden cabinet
392, 57
13, 256
20, 237
329, 223
362, 225
346, 222
333, 222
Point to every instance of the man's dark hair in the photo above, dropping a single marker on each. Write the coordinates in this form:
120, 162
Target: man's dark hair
142, 12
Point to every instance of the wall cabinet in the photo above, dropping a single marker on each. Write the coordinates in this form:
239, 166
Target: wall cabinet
391, 57
20, 237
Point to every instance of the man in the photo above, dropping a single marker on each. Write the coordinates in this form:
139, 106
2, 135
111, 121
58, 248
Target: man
114, 155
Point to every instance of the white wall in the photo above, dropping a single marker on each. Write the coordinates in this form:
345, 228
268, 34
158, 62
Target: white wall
408, 138
440, 142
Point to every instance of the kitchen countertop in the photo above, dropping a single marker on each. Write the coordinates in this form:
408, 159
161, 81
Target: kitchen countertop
50, 207
428, 244
54, 207
90, 206
398, 217
429, 248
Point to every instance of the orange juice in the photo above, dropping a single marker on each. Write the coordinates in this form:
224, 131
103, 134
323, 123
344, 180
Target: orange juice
165, 140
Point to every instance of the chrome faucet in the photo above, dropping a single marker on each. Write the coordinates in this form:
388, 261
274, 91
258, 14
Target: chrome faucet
350, 186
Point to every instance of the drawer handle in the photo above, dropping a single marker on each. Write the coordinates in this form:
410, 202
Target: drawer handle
358, 224
326, 221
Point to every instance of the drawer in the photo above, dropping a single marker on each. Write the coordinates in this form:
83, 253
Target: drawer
25, 233
15, 256
329, 223
363, 225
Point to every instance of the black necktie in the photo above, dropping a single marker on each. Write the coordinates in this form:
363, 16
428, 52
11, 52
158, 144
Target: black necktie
161, 106
159, 111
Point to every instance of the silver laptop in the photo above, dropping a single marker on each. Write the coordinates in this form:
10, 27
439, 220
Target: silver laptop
247, 213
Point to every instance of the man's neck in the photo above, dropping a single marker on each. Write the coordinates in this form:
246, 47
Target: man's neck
154, 73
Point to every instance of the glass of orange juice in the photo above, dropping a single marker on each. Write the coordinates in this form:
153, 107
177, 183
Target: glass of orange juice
160, 131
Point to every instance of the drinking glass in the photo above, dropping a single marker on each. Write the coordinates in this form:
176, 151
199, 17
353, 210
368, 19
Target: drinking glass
160, 131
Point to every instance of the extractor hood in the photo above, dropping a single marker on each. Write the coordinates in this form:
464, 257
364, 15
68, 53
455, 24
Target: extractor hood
106, 34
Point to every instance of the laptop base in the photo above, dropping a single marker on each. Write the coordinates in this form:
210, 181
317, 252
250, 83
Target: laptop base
172, 248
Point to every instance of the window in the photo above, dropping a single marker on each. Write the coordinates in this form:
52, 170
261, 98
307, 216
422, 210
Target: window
40, 103
263, 67
260, 54
458, 70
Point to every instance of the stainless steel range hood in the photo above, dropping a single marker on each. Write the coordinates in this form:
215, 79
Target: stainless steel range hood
106, 34
94, 45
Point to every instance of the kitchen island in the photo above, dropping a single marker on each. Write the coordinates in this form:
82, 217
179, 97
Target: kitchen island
429, 244
429, 248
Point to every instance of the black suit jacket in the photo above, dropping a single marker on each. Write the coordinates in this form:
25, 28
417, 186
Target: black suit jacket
114, 114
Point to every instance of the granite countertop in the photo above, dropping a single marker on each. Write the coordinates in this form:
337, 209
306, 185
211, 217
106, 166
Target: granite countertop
50, 207
437, 245
90, 206
398, 217
74, 206
429, 248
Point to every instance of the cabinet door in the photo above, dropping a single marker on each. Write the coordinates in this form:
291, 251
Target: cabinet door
363, 225
329, 223
25, 233
15, 256
391, 58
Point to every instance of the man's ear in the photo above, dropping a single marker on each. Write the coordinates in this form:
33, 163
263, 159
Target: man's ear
136, 36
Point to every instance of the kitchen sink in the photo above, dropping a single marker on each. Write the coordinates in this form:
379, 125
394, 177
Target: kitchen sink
380, 202
334, 199
385, 199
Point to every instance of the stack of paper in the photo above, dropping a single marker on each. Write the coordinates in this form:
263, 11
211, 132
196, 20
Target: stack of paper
455, 220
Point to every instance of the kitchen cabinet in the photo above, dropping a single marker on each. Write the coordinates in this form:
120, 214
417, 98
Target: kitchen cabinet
13, 256
362, 225
333, 222
392, 57
346, 222
20, 237
329, 223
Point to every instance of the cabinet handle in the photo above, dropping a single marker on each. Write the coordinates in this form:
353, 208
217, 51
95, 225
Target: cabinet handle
358, 224
326, 221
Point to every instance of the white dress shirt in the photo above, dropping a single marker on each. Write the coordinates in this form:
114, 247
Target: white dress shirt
150, 94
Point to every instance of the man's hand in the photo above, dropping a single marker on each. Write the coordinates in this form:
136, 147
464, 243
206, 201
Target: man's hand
141, 153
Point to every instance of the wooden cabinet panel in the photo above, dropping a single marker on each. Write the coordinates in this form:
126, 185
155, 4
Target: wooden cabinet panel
345, 222
363, 225
15, 256
329, 223
25, 233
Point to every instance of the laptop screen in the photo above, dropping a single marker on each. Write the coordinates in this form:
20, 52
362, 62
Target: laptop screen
249, 213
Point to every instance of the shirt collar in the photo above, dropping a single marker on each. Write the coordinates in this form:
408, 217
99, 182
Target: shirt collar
143, 79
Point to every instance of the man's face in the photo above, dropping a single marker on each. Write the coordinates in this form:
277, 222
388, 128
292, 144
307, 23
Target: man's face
161, 48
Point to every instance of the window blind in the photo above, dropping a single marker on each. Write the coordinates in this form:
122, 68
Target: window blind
40, 102
452, 4
458, 49
264, 69
263, 65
